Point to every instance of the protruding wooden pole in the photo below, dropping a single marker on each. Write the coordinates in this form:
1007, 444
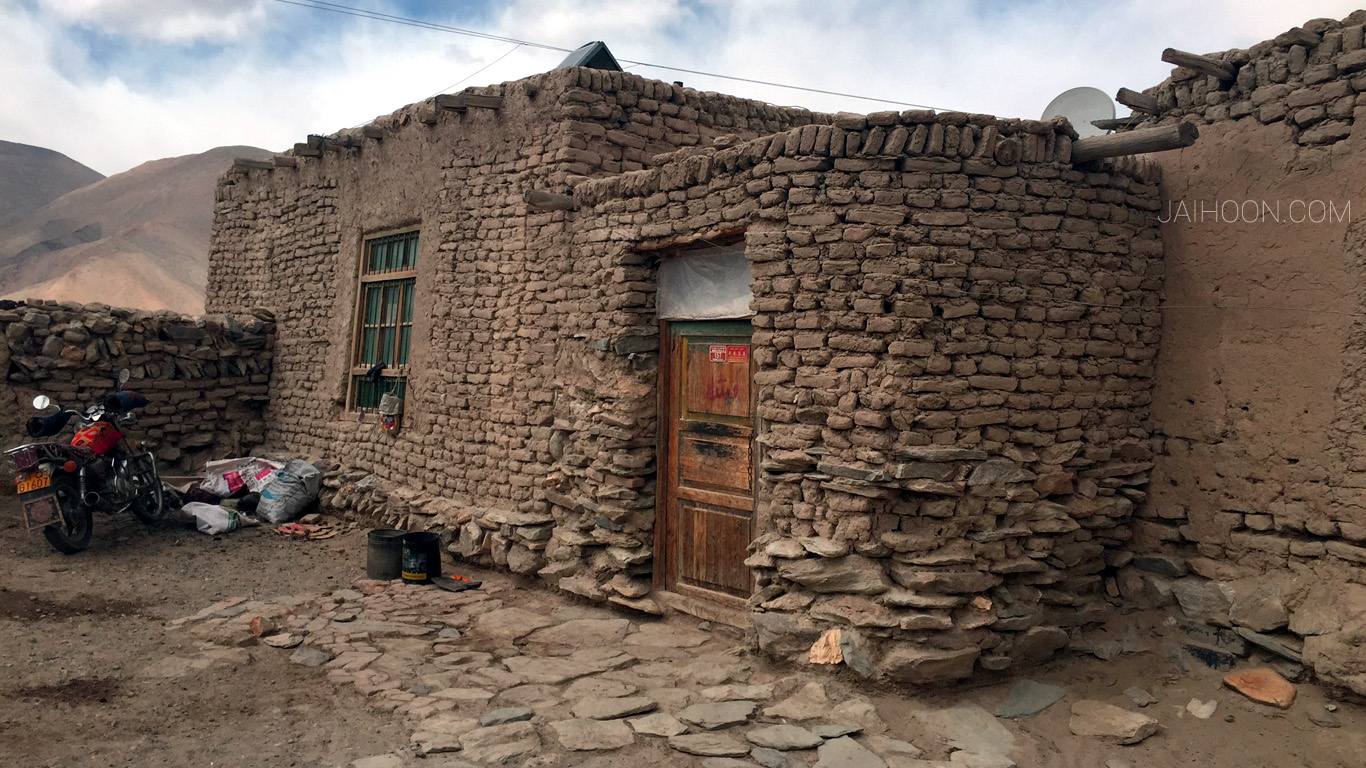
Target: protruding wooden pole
1135, 100
1205, 65
548, 201
286, 161
307, 150
1115, 123
372, 132
243, 164
1135, 142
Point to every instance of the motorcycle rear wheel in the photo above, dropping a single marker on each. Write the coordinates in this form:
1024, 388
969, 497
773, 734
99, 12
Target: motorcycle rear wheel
73, 535
150, 505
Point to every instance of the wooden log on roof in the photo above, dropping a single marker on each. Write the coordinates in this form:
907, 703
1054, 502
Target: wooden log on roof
428, 115
1298, 36
548, 201
286, 161
315, 141
1135, 142
1205, 65
307, 150
372, 132
338, 144
1135, 100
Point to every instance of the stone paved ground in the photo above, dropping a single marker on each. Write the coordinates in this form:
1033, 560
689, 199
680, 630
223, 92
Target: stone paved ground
512, 675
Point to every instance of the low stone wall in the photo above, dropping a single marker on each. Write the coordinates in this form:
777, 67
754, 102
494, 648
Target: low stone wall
206, 377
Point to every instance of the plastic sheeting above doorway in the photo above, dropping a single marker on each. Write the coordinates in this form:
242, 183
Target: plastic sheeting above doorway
710, 284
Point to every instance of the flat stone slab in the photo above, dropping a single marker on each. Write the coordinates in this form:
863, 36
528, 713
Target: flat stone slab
1140, 697
1028, 698
550, 671
969, 728
772, 758
836, 730
383, 628
429, 743
1264, 685
888, 748
312, 657
784, 738
717, 715
844, 752
1110, 723
506, 715
726, 762
810, 703
583, 633
464, 695
658, 724
501, 743
581, 735
505, 625
709, 745
595, 686
757, 692
612, 709
661, 635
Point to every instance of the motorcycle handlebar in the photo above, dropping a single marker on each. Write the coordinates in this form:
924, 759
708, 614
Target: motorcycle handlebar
124, 401
47, 426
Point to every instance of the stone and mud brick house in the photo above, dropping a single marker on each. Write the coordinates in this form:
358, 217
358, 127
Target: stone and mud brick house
937, 379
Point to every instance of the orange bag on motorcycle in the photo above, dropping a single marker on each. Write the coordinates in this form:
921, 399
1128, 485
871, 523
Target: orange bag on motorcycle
98, 437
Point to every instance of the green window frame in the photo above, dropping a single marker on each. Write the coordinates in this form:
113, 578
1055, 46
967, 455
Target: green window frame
384, 318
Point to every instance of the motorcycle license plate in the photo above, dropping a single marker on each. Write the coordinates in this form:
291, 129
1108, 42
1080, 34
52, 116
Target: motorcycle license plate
42, 510
34, 482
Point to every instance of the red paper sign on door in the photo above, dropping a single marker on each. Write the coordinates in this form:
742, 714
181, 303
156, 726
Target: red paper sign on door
728, 353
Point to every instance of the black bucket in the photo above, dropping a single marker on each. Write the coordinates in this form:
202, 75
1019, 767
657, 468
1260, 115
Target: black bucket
384, 554
421, 557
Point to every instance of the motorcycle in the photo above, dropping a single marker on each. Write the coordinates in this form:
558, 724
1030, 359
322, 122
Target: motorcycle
61, 485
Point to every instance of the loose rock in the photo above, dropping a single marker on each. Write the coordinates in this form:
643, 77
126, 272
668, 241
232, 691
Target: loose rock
1262, 685
658, 724
844, 752
1028, 698
1110, 723
717, 715
784, 737
611, 709
709, 745
582, 735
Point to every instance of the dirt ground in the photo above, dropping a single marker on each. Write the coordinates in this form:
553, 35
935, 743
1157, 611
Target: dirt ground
78, 634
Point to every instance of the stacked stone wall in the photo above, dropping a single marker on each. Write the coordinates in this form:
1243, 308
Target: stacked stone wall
954, 360
206, 377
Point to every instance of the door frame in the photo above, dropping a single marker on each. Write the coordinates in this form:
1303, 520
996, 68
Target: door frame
705, 603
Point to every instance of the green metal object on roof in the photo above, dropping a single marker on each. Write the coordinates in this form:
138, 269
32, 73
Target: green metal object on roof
594, 56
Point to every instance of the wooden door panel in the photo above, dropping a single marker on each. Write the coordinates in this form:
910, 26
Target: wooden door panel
708, 494
711, 538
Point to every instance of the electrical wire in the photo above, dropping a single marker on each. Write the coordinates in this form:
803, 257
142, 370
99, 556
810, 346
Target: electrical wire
321, 5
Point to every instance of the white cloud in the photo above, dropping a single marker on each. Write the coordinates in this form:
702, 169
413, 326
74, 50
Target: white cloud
175, 21
336, 71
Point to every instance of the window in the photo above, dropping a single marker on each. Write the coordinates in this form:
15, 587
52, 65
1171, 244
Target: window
384, 318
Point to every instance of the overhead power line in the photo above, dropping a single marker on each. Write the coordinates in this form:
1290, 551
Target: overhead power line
347, 10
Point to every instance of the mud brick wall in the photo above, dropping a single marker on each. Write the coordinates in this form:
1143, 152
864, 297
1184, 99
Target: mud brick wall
1257, 516
497, 292
206, 377
1309, 89
955, 358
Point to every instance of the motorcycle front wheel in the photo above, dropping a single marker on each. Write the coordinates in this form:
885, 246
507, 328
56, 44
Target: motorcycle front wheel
73, 535
150, 504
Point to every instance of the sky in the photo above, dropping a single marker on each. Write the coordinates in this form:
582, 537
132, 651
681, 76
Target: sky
115, 83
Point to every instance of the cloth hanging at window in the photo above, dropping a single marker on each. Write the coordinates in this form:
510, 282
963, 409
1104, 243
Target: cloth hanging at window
710, 284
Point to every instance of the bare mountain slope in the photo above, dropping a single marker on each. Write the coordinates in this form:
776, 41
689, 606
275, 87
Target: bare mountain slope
31, 177
138, 238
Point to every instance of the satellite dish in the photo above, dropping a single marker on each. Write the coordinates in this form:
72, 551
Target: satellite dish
1080, 106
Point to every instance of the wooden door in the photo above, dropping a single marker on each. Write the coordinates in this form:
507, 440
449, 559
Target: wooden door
708, 463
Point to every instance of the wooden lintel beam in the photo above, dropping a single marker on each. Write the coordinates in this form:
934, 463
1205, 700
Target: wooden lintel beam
315, 141
1137, 142
373, 132
1205, 65
245, 164
548, 201
1135, 100
339, 144
483, 102
452, 101
1298, 36
286, 161
306, 150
